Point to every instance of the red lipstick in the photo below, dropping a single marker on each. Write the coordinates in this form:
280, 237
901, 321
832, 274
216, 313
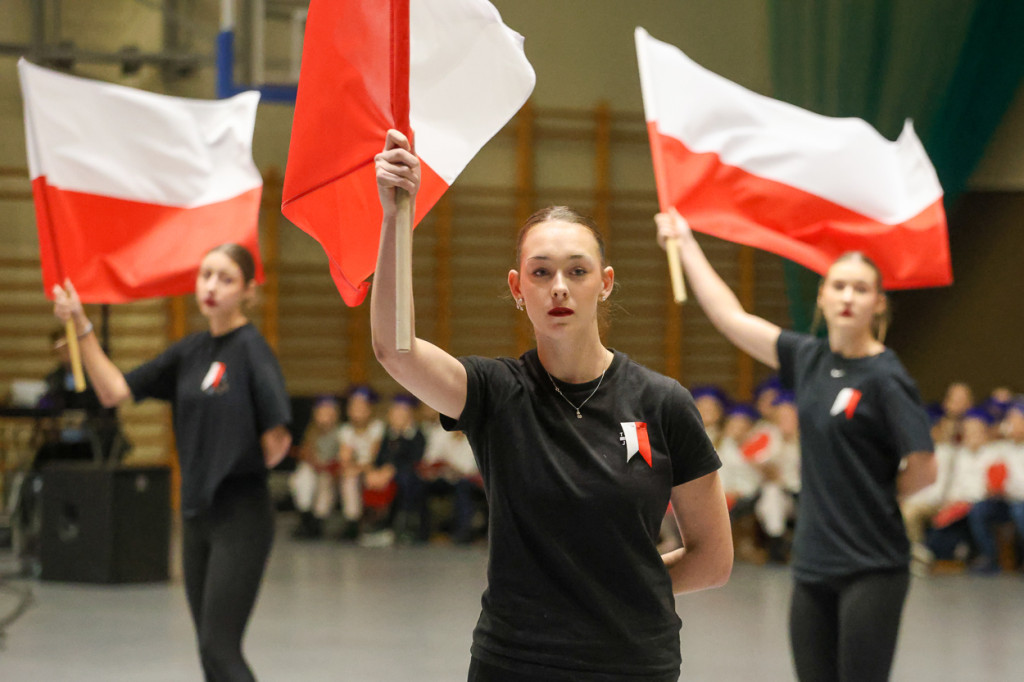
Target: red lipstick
560, 312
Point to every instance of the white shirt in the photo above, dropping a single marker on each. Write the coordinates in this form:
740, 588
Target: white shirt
452, 448
364, 443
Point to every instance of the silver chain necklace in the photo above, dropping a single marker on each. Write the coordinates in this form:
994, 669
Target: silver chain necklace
574, 406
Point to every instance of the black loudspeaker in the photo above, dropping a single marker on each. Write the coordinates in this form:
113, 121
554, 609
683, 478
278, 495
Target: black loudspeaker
105, 525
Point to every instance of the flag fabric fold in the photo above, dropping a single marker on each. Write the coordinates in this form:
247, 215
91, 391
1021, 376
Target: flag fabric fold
132, 188
465, 76
760, 172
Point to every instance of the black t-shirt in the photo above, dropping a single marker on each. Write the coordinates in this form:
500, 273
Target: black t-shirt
225, 392
859, 417
575, 581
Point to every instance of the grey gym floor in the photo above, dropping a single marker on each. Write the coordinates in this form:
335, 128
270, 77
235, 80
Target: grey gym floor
336, 612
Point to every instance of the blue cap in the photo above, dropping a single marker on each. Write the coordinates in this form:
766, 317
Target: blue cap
772, 383
743, 410
935, 412
979, 413
364, 391
325, 399
784, 398
405, 399
1016, 405
710, 392
996, 408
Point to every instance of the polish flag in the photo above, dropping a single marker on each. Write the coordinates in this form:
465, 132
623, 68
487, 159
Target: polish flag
846, 401
634, 436
132, 188
756, 171
448, 70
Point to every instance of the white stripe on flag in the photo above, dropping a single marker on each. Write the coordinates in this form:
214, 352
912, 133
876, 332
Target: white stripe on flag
109, 140
467, 74
632, 442
895, 181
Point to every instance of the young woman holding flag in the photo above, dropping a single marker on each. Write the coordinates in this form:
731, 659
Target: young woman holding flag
231, 416
580, 449
865, 442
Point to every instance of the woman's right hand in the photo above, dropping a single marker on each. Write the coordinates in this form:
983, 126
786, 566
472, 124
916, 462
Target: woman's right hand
397, 167
66, 304
671, 225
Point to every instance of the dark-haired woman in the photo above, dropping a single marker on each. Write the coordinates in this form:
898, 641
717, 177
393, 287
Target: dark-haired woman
865, 442
580, 449
231, 416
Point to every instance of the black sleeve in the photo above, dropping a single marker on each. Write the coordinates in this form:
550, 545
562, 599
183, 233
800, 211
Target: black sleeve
484, 384
905, 416
788, 347
270, 397
691, 451
157, 378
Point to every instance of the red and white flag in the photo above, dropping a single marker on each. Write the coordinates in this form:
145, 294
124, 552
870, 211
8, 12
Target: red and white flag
448, 69
634, 437
132, 188
846, 402
757, 171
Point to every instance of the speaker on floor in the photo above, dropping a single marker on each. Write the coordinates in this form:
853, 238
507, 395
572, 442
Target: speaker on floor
105, 525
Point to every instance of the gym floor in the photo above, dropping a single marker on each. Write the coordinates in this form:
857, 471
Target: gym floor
330, 611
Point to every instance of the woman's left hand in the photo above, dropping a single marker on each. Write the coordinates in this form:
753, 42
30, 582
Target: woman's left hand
397, 168
671, 225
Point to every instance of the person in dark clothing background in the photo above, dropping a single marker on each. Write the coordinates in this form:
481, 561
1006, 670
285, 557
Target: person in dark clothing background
865, 443
231, 415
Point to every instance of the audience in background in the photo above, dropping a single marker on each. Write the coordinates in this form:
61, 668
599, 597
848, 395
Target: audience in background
398, 509
359, 440
314, 484
411, 480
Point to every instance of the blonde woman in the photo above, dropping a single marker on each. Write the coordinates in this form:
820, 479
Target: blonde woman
864, 443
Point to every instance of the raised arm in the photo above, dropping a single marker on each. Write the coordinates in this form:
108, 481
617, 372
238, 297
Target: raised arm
106, 379
426, 371
751, 334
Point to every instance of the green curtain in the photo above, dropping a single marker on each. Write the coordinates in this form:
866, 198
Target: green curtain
953, 66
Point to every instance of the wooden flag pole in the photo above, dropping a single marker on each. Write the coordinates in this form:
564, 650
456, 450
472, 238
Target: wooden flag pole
675, 271
71, 336
403, 272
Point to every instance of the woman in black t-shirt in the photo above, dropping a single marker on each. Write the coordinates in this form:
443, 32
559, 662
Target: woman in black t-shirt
580, 450
231, 416
864, 443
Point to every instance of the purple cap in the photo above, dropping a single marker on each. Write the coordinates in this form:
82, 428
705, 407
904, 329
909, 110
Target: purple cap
325, 399
364, 391
979, 413
710, 392
405, 399
772, 383
784, 398
935, 412
1016, 405
743, 410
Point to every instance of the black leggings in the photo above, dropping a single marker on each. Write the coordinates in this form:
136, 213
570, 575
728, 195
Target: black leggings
845, 630
480, 671
225, 551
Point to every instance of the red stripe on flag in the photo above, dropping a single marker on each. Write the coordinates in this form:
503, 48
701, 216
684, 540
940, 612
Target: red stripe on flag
399, 54
644, 442
851, 404
116, 250
732, 204
355, 240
